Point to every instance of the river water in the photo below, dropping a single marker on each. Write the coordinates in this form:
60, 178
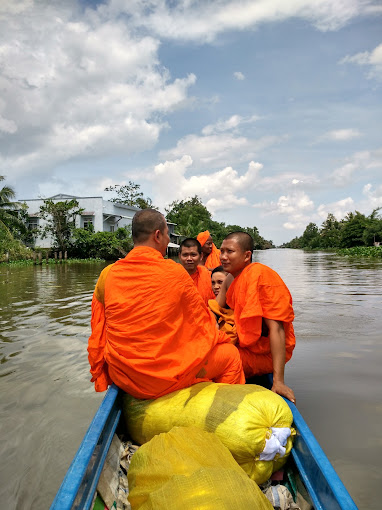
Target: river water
47, 401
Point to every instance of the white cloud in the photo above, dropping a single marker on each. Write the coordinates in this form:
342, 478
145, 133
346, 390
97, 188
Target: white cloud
342, 134
297, 222
373, 197
79, 85
355, 166
216, 150
239, 75
373, 59
7, 126
204, 21
340, 208
289, 226
219, 190
294, 207
289, 181
292, 204
230, 124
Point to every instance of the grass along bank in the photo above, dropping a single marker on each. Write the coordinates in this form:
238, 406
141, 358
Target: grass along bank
361, 251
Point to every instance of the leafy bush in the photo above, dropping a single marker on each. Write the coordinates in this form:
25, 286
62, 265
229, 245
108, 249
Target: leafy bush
15, 248
362, 251
104, 245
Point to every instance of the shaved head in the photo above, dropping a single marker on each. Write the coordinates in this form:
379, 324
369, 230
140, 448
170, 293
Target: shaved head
146, 222
244, 240
190, 242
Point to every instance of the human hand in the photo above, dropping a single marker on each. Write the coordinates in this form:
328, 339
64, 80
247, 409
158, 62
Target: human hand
228, 280
283, 390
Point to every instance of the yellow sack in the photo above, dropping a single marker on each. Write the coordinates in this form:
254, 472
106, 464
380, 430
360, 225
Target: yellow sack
189, 469
242, 416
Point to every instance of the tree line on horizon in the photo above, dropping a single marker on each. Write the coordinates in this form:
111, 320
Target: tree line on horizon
191, 216
354, 230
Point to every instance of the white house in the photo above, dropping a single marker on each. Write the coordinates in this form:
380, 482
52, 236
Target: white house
105, 216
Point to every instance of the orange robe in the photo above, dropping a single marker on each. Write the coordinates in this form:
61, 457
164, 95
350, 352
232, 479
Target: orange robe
202, 237
151, 331
213, 259
202, 280
225, 319
256, 293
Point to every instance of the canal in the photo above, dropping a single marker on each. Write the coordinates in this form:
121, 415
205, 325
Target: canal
47, 401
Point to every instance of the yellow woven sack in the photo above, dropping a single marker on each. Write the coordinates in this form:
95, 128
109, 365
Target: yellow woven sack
189, 469
242, 416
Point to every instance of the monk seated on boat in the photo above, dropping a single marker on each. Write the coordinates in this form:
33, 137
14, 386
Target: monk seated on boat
190, 253
218, 275
151, 331
211, 254
263, 311
224, 316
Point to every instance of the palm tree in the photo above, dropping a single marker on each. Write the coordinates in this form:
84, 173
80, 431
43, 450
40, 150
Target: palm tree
7, 218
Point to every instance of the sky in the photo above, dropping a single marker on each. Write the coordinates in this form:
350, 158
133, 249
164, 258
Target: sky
269, 110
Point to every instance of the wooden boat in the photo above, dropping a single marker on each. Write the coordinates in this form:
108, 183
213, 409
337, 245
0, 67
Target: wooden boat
326, 490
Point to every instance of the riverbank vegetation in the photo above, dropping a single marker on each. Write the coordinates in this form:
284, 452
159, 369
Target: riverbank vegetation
192, 217
356, 235
18, 237
362, 251
52, 261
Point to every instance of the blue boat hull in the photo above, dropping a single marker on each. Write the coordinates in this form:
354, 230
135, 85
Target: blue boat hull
77, 490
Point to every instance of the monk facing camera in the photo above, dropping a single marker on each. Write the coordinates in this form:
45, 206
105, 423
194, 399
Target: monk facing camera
218, 276
210, 254
190, 254
146, 311
263, 311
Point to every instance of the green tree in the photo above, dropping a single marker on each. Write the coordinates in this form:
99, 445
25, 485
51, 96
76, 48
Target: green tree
130, 194
105, 245
218, 231
61, 218
260, 242
352, 229
373, 229
311, 237
330, 232
191, 216
295, 243
9, 219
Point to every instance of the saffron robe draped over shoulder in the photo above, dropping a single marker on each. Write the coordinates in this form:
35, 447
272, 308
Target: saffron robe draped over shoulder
256, 293
151, 330
213, 259
202, 281
225, 320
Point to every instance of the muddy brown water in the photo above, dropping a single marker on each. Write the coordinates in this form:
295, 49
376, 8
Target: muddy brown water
47, 401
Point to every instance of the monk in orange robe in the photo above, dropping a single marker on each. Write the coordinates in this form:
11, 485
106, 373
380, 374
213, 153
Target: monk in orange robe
211, 254
263, 311
190, 253
224, 316
151, 331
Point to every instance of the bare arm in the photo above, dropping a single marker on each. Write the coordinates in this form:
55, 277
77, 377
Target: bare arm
277, 341
220, 298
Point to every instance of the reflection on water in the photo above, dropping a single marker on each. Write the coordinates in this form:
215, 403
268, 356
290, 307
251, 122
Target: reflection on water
331, 294
54, 299
48, 401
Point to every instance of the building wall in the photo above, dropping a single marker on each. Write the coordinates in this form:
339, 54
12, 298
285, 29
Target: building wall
106, 216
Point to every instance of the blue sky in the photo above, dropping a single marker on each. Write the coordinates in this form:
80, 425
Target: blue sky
269, 111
